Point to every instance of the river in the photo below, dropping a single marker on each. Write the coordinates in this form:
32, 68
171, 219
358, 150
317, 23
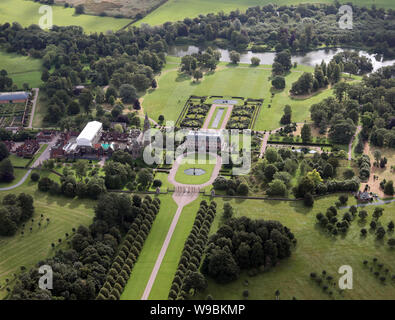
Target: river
309, 59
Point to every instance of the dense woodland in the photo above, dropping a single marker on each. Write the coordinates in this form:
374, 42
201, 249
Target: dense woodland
242, 244
128, 60
371, 102
80, 269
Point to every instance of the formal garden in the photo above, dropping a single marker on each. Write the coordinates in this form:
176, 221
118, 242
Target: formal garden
244, 115
194, 113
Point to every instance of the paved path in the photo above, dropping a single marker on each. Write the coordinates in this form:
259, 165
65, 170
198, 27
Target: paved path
264, 144
33, 108
352, 141
190, 193
44, 156
211, 112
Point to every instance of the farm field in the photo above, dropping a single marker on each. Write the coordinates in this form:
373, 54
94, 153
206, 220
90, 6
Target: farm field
229, 80
27, 14
20, 68
174, 10
127, 8
315, 251
27, 250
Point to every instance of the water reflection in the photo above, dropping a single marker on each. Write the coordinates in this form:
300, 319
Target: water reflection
309, 59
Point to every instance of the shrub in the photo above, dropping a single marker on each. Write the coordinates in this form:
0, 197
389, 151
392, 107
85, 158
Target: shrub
35, 176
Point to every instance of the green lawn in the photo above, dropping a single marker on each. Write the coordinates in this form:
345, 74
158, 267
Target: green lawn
191, 162
315, 251
26, 13
174, 10
27, 250
20, 68
18, 161
229, 80
18, 175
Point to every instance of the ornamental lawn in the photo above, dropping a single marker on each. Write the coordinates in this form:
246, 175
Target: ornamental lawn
228, 80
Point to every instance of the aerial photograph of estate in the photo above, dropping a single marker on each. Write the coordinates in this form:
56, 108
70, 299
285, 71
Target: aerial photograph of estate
194, 152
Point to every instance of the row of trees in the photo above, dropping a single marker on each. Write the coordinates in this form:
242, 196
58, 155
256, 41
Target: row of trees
128, 253
14, 211
364, 167
188, 279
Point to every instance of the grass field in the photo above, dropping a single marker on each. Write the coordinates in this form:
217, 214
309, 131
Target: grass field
174, 10
229, 80
191, 162
315, 251
143, 268
20, 68
27, 250
26, 12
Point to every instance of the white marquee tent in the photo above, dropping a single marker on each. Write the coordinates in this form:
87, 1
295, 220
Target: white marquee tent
90, 135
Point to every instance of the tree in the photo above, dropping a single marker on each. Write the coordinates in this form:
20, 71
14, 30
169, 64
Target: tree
85, 100
221, 266
80, 9
3, 151
286, 118
234, 57
389, 188
269, 171
362, 214
391, 242
303, 85
80, 168
271, 155
111, 92
195, 281
35, 176
255, 61
377, 156
277, 188
128, 93
278, 82
308, 199
228, 211
242, 189
284, 59
144, 177
306, 133
197, 75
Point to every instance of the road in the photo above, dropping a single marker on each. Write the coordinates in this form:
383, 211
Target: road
187, 195
44, 156
33, 108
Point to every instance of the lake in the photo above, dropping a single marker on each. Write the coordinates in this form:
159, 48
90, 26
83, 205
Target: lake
309, 59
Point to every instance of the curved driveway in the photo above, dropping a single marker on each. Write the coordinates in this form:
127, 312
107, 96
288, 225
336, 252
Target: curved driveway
182, 199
